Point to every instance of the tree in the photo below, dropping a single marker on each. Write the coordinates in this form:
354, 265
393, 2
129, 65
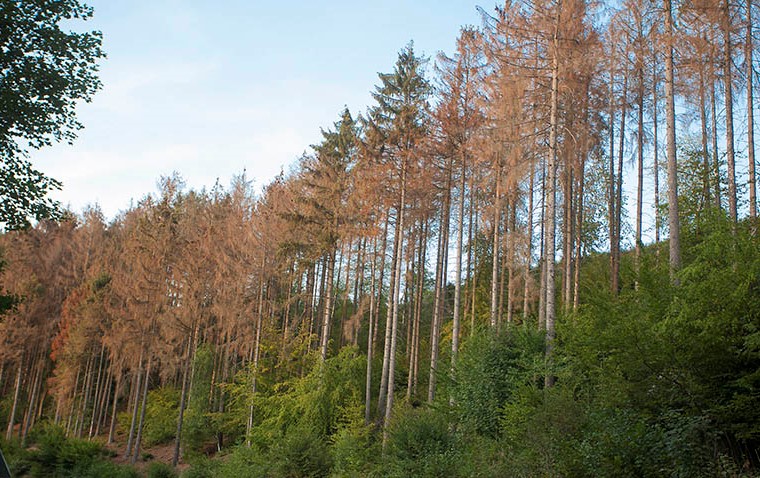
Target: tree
46, 71
670, 112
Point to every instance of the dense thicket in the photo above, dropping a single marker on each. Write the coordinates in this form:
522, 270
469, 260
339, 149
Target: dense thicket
449, 284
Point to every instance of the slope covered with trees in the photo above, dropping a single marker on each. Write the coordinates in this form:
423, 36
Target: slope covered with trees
449, 284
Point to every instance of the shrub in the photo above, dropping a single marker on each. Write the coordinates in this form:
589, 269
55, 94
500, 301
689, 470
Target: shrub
159, 469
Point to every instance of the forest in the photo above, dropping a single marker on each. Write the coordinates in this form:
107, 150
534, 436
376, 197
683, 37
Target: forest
536, 256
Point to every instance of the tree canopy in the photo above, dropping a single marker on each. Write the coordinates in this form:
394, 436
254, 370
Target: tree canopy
45, 71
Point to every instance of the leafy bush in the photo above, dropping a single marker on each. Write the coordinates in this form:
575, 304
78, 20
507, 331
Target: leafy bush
302, 454
159, 469
421, 444
58, 456
160, 416
490, 368
353, 451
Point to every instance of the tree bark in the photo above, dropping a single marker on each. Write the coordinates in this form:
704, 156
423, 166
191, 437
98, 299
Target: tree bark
394, 295
144, 405
673, 220
551, 200
729, 102
16, 396
750, 114
440, 285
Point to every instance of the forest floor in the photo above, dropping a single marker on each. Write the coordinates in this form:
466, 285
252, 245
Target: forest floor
161, 453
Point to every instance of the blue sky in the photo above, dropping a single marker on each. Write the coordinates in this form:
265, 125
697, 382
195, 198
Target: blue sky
210, 88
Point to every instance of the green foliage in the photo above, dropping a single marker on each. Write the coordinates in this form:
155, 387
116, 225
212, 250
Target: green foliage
159, 469
354, 451
302, 454
54, 455
489, 370
197, 425
47, 70
160, 416
202, 467
329, 397
421, 443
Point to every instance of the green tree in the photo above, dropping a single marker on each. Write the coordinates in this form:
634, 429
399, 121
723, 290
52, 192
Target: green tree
45, 72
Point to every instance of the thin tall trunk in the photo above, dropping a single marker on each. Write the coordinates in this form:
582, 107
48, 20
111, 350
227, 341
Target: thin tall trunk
705, 153
98, 392
750, 114
495, 247
470, 275
183, 396
112, 428
458, 270
673, 221
551, 200
529, 242
370, 333
611, 190
144, 405
16, 396
394, 295
656, 148
511, 260
578, 235
619, 187
30, 411
568, 237
135, 404
391, 310
327, 312
443, 248
380, 281
639, 162
86, 398
729, 101
542, 242
714, 137
255, 357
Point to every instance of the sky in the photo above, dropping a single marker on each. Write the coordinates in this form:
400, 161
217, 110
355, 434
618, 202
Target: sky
210, 89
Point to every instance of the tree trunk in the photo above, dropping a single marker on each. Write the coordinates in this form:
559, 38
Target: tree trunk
528, 243
112, 428
440, 285
714, 137
143, 406
705, 152
578, 235
414, 360
135, 405
255, 357
639, 163
673, 221
16, 395
729, 101
327, 312
611, 190
619, 188
656, 148
370, 332
495, 246
750, 115
458, 270
391, 311
551, 201
183, 396
96, 400
511, 259
394, 326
